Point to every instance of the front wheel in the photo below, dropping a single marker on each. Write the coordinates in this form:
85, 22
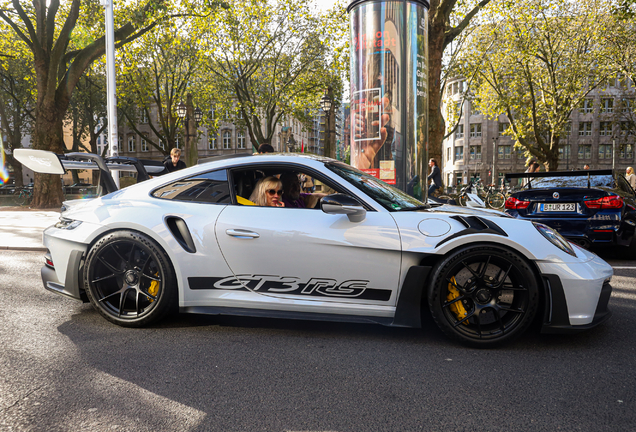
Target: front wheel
483, 296
129, 280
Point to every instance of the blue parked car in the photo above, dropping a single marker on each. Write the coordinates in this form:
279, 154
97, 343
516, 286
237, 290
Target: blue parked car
590, 208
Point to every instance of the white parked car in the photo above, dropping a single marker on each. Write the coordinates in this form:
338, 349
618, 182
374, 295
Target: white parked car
190, 241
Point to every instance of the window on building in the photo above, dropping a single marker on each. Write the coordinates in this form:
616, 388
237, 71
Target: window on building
504, 152
212, 142
227, 140
458, 109
627, 151
144, 145
120, 142
458, 178
143, 116
622, 82
240, 140
459, 153
605, 129
131, 144
475, 152
585, 151
564, 152
627, 128
459, 132
448, 154
607, 105
240, 114
211, 112
587, 106
585, 128
162, 145
503, 127
227, 116
177, 142
475, 130
628, 105
568, 128
605, 151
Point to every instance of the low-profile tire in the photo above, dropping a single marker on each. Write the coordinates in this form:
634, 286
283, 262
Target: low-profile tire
129, 279
483, 296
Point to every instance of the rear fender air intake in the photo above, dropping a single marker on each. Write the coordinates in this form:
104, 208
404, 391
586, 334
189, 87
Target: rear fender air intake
181, 233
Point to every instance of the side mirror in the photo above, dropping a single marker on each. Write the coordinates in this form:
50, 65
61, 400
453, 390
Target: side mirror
343, 204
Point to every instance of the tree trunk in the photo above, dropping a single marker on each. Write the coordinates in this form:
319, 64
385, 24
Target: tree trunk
436, 124
48, 135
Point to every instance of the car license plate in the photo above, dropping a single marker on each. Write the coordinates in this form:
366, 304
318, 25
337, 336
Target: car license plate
558, 207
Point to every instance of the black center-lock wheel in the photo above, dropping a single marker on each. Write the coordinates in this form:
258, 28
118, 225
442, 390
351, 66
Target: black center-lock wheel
483, 296
129, 279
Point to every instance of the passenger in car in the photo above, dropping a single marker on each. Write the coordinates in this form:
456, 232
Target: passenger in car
292, 197
268, 193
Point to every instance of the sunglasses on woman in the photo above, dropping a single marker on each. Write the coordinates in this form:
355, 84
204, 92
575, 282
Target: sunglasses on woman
272, 192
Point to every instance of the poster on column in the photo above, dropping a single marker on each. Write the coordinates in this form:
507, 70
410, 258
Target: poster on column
387, 129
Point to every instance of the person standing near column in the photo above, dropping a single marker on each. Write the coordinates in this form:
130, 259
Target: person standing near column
435, 176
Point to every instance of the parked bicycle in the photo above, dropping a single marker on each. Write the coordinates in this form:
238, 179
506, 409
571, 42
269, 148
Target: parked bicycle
494, 198
467, 197
24, 196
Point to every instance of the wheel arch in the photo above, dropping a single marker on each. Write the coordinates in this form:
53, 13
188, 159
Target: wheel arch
412, 303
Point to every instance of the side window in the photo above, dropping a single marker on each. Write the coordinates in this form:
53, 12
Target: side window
211, 188
300, 189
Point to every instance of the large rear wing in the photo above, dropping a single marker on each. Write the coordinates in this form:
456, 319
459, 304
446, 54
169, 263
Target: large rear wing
46, 162
577, 173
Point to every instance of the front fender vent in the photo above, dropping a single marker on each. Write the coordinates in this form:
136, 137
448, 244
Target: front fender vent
474, 225
181, 233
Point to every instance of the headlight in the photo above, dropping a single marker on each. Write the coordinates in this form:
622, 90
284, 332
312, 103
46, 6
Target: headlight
67, 224
555, 238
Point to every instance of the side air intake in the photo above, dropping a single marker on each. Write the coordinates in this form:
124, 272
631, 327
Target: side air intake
179, 230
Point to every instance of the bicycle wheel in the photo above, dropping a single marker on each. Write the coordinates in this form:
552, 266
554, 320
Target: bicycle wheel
496, 200
22, 198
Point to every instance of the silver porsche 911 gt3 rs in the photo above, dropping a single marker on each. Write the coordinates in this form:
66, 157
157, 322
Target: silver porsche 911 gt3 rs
193, 241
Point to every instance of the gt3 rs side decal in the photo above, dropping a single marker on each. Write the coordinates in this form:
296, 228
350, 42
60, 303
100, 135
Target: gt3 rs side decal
291, 286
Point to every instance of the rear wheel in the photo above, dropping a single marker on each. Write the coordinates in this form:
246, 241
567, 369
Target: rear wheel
483, 296
129, 279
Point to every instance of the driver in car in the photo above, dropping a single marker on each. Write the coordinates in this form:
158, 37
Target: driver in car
292, 197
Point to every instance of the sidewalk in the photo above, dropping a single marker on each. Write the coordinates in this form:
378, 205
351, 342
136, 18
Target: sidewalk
22, 229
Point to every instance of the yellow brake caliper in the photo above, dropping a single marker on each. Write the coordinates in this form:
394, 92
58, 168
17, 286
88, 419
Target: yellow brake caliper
457, 308
153, 289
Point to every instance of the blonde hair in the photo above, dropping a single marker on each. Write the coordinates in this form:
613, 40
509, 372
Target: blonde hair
175, 151
630, 170
259, 196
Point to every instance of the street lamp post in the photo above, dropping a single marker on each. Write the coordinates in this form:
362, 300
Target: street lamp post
326, 104
494, 157
185, 113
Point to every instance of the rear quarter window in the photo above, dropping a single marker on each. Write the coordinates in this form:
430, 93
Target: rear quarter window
211, 188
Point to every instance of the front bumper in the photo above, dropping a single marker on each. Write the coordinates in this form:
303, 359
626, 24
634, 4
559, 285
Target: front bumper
576, 293
72, 286
556, 318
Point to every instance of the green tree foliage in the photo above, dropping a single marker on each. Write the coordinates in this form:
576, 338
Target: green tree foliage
63, 39
17, 97
535, 62
447, 21
157, 71
265, 61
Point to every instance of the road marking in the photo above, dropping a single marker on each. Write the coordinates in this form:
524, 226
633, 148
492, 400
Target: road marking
624, 268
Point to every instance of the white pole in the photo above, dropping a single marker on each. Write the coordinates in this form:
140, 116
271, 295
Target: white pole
111, 86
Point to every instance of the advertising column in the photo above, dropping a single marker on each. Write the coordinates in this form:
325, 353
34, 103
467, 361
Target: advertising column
389, 94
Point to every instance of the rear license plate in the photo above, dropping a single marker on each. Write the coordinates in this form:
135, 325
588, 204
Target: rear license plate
558, 207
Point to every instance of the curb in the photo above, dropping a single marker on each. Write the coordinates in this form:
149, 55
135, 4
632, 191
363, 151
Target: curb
24, 248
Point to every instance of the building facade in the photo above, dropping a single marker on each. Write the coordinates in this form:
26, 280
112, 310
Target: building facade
600, 134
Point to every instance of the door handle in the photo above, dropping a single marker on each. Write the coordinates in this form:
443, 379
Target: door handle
244, 234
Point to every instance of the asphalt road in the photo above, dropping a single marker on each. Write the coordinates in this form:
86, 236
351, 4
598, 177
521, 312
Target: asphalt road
64, 368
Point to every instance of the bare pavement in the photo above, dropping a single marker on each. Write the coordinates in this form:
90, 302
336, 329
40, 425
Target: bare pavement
21, 228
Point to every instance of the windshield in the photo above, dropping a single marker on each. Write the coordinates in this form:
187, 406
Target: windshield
389, 197
573, 182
